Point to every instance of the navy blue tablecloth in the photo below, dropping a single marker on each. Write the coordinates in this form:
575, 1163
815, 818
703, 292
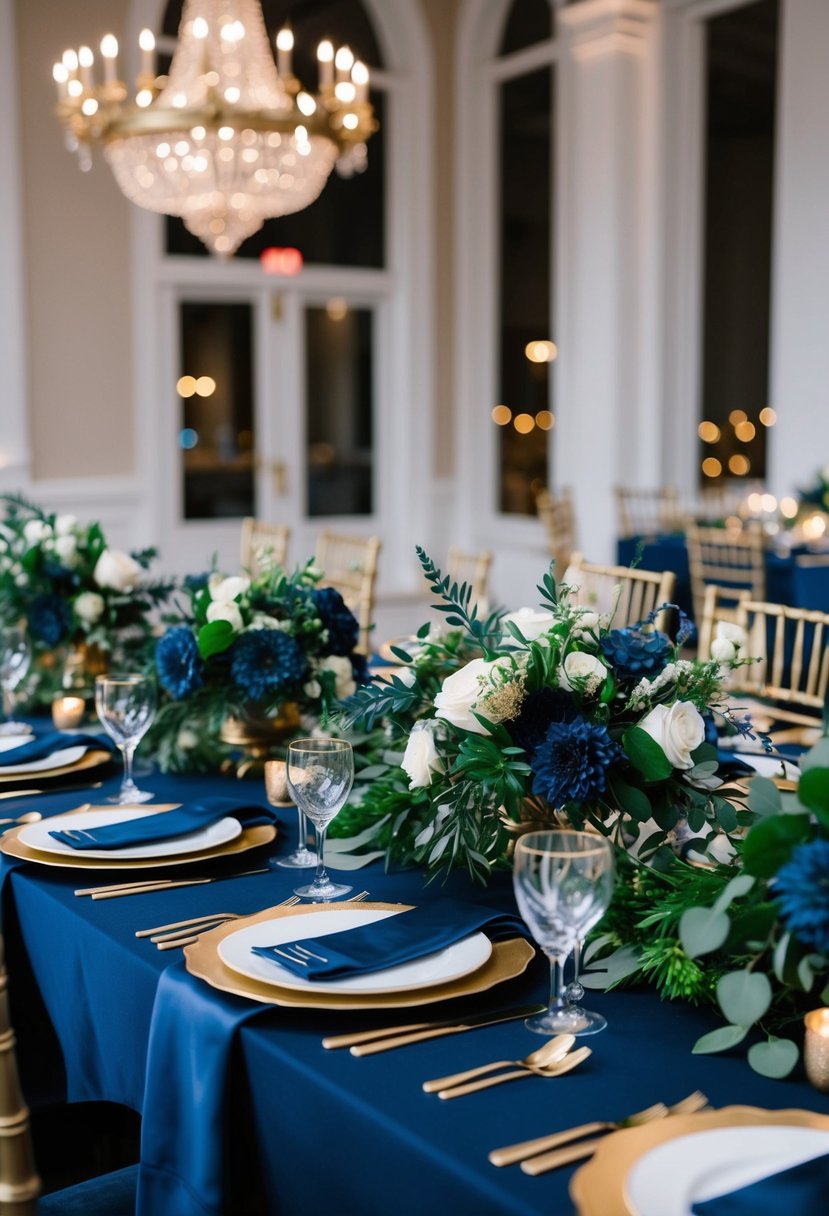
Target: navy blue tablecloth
358, 1135
787, 581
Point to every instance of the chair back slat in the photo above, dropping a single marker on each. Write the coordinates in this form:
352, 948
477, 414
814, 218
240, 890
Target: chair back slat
472, 568
19, 1183
728, 558
263, 543
558, 517
641, 591
792, 646
349, 564
648, 512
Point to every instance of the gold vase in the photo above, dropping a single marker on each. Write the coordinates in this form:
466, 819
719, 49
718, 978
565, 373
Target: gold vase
537, 815
257, 733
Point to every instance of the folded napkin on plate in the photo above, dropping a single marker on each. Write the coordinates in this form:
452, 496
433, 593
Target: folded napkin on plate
166, 825
801, 1189
394, 940
55, 741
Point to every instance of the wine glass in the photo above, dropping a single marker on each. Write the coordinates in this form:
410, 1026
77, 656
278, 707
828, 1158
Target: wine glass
584, 1021
15, 657
563, 883
126, 708
276, 790
320, 776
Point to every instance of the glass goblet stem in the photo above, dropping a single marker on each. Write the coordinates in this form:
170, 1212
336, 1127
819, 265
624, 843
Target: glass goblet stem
556, 1003
574, 992
321, 876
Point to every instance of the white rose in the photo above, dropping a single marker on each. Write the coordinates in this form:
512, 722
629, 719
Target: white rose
116, 570
421, 758
186, 739
723, 651
89, 606
727, 631
261, 620
226, 612
532, 622
65, 524
345, 683
460, 692
580, 670
313, 689
226, 590
35, 531
66, 548
588, 620
678, 729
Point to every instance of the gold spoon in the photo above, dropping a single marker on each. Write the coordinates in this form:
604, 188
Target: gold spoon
548, 1053
558, 1069
28, 817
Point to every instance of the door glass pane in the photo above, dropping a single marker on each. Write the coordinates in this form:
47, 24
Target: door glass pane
215, 389
523, 414
528, 21
340, 409
739, 166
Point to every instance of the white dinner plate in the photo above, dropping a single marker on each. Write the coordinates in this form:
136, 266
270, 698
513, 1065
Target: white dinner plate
670, 1178
56, 759
36, 835
770, 766
455, 961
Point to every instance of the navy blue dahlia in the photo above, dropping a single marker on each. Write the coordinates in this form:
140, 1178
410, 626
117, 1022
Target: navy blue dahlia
49, 618
801, 889
178, 662
572, 762
337, 618
265, 660
632, 653
538, 711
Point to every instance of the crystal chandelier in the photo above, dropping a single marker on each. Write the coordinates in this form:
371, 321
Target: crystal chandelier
230, 138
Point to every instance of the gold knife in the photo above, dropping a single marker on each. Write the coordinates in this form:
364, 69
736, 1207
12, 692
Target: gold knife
443, 1028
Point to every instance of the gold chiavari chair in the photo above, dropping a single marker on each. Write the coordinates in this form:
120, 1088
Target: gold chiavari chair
558, 517
111, 1194
261, 540
349, 564
472, 568
792, 646
719, 604
731, 558
639, 592
648, 512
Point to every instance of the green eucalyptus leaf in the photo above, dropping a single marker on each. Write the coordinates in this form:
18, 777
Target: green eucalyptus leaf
737, 887
215, 637
764, 797
770, 842
818, 757
632, 800
744, 996
719, 1040
813, 792
646, 755
780, 955
774, 1059
702, 930
806, 970
606, 972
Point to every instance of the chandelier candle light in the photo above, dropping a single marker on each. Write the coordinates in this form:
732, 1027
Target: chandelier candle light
230, 138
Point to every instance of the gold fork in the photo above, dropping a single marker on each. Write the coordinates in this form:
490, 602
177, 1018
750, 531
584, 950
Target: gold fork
586, 1148
159, 934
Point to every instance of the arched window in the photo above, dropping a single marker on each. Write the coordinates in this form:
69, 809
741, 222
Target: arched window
506, 152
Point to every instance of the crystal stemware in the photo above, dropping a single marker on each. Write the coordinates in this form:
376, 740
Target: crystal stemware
15, 657
563, 883
320, 776
584, 1021
126, 708
277, 793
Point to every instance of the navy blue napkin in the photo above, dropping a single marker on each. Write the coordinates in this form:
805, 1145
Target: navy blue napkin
55, 741
166, 825
802, 1189
397, 939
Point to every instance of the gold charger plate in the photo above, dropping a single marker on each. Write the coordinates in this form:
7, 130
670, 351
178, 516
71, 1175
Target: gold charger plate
508, 960
250, 838
91, 759
600, 1187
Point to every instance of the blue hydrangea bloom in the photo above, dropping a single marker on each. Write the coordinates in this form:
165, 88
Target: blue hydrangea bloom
49, 618
178, 662
264, 660
801, 889
572, 762
338, 619
632, 653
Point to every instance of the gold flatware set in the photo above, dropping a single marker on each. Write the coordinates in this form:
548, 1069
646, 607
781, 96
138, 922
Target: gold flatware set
141, 886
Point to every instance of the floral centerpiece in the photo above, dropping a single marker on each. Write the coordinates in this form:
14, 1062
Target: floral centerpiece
547, 715
242, 647
73, 591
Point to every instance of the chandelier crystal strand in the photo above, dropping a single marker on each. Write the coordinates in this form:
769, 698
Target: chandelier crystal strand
230, 138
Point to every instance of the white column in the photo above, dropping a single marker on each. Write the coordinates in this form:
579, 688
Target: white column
799, 443
14, 441
607, 407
